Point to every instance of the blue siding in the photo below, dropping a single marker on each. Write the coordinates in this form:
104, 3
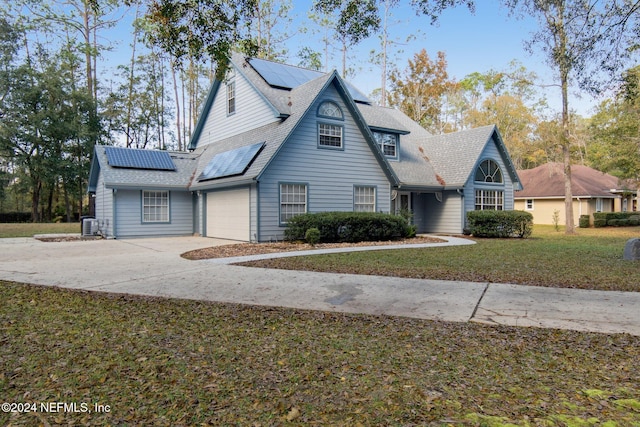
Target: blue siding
104, 207
252, 111
434, 216
490, 152
330, 175
128, 215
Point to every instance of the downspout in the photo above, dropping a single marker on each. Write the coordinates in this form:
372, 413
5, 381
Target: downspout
463, 214
115, 212
257, 236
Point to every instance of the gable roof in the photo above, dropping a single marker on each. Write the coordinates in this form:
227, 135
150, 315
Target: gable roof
455, 156
548, 181
274, 135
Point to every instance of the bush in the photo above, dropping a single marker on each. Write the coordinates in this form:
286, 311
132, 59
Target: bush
500, 223
584, 221
349, 226
13, 217
312, 236
616, 219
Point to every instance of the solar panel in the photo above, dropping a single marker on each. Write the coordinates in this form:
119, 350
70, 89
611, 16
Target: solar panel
288, 77
230, 163
139, 159
282, 75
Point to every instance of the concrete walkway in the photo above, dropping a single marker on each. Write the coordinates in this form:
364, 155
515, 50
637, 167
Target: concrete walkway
154, 267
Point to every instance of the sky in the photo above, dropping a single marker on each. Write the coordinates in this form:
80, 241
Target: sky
487, 40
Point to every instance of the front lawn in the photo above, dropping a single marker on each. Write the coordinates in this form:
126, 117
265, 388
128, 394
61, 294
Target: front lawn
30, 228
164, 362
591, 259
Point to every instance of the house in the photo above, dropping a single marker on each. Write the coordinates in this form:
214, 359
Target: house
274, 141
593, 191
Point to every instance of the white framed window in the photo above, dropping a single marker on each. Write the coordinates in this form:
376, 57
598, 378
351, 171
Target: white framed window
599, 205
231, 97
329, 135
155, 206
330, 109
529, 204
364, 199
388, 143
489, 171
293, 201
489, 200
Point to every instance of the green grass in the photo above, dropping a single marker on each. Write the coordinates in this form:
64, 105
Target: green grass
591, 259
29, 229
171, 362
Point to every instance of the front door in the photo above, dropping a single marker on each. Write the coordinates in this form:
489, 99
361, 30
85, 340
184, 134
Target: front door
402, 204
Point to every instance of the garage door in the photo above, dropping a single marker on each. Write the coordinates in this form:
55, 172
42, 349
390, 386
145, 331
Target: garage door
228, 214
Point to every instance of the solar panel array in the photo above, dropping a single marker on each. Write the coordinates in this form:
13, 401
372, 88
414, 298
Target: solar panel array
288, 77
230, 163
139, 159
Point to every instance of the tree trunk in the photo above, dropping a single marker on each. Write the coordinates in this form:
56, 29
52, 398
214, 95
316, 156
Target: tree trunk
564, 65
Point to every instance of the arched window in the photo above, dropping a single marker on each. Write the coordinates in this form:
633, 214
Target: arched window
330, 109
489, 171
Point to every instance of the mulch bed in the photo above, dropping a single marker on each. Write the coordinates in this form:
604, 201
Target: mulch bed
243, 249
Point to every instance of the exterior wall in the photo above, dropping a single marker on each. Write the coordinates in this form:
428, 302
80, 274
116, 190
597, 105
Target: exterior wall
330, 174
252, 111
433, 216
490, 152
104, 208
128, 215
543, 209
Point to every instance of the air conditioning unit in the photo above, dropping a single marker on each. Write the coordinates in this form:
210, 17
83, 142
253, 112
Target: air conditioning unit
90, 227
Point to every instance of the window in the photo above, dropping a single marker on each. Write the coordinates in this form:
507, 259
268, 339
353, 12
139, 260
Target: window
329, 135
155, 206
488, 171
364, 199
489, 200
387, 142
330, 109
529, 204
231, 98
293, 201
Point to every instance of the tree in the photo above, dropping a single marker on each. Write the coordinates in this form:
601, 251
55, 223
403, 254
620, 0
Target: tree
271, 41
615, 131
202, 30
506, 99
580, 39
419, 91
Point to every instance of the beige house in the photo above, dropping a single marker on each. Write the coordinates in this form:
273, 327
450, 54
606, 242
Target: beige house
593, 191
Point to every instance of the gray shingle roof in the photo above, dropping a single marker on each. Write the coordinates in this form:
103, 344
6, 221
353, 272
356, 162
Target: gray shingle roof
425, 161
117, 177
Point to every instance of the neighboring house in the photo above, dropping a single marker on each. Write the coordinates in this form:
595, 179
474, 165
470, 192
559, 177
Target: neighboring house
593, 191
274, 141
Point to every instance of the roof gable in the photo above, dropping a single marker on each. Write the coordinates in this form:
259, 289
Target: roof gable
457, 155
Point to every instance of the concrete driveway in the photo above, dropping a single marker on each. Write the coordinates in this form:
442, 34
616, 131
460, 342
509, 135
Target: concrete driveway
154, 267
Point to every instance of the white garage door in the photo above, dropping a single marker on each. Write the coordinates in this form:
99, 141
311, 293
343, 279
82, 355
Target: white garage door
228, 214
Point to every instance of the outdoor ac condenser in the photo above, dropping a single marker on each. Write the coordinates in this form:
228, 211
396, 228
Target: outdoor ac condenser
90, 227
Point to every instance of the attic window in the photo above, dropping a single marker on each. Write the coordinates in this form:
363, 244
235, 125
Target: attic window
489, 171
231, 97
331, 110
387, 142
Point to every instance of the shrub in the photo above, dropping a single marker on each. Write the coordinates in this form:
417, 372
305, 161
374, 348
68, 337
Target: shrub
584, 221
312, 236
14, 217
616, 219
348, 226
500, 223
